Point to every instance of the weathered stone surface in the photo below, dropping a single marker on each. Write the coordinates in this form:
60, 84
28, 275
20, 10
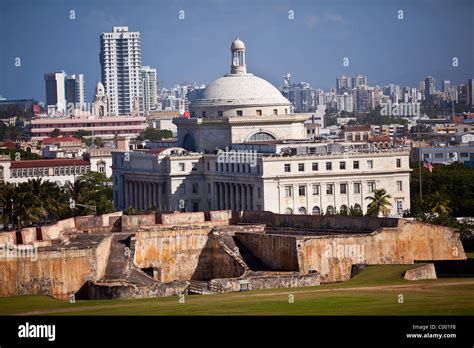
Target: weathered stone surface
132, 222
58, 273
423, 272
182, 218
54, 231
105, 291
28, 235
268, 281
7, 238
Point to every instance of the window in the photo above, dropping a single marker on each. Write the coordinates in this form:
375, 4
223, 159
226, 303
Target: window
329, 189
288, 211
301, 167
426, 155
399, 162
195, 187
208, 166
13, 173
316, 210
371, 187
399, 186
208, 188
356, 187
259, 112
315, 166
328, 165
239, 113
343, 188
288, 191
222, 167
216, 166
182, 189
220, 113
330, 210
302, 190
194, 166
302, 211
464, 154
342, 165
315, 190
287, 167
203, 114
355, 164
370, 164
181, 166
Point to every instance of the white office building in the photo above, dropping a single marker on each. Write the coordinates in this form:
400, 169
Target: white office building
120, 59
148, 92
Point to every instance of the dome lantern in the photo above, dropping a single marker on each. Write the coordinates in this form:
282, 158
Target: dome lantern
238, 57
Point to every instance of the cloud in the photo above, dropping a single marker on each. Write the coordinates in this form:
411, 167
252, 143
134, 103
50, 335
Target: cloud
314, 20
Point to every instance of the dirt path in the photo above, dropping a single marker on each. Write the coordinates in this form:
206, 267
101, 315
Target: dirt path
360, 288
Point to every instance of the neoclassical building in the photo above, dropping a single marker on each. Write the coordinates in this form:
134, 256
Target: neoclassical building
268, 164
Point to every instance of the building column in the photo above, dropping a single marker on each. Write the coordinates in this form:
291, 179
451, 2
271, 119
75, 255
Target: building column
125, 190
232, 196
135, 195
140, 196
250, 198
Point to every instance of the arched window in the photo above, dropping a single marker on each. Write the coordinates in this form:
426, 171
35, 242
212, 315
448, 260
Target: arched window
288, 211
343, 209
261, 136
330, 210
316, 210
302, 211
188, 143
357, 208
101, 167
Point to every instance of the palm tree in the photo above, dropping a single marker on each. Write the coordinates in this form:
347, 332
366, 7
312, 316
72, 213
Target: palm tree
439, 204
379, 203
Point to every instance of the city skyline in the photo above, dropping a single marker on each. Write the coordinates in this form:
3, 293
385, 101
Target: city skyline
167, 45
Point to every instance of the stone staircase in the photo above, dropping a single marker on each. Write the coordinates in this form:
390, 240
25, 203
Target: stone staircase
120, 263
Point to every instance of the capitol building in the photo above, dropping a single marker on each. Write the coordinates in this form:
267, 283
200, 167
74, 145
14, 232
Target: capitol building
243, 149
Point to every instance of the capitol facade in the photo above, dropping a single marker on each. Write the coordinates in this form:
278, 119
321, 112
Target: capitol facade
284, 170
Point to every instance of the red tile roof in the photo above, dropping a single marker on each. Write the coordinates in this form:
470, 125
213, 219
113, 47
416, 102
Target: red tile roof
60, 140
48, 163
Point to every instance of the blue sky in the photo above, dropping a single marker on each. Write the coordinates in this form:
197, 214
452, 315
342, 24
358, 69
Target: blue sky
311, 46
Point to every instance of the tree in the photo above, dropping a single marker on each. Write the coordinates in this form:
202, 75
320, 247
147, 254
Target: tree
155, 134
439, 204
55, 133
379, 204
81, 133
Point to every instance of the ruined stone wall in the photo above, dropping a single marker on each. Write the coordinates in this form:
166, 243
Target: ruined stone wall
176, 252
55, 230
182, 218
101, 291
350, 223
277, 252
57, 273
7, 238
269, 282
333, 256
132, 222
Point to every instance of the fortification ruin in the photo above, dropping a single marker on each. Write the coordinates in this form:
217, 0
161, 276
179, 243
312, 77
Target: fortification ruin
162, 254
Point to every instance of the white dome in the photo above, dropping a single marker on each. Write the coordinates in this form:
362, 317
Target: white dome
241, 90
237, 44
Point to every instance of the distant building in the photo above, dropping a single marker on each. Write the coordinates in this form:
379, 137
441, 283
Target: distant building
359, 80
148, 92
430, 87
55, 84
76, 91
345, 103
343, 84
470, 91
120, 59
444, 155
22, 104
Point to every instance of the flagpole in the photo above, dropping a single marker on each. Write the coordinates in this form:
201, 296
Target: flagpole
421, 191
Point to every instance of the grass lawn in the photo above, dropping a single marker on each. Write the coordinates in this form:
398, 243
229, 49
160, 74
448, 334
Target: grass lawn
375, 291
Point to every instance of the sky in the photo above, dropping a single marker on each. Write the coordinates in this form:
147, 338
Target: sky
311, 46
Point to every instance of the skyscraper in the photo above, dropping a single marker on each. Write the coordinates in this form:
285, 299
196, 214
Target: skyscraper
148, 93
470, 91
446, 85
343, 84
120, 59
76, 91
430, 87
359, 80
55, 84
